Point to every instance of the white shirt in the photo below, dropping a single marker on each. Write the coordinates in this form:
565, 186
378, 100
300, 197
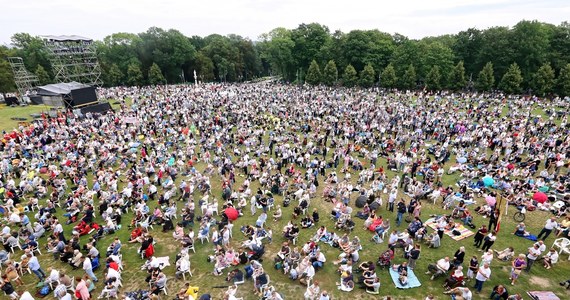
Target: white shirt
310, 271
26, 296
533, 253
443, 264
483, 274
553, 256
66, 297
58, 228
466, 294
541, 248
87, 264
550, 224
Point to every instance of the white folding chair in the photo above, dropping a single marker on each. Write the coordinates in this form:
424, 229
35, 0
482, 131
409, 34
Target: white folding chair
187, 271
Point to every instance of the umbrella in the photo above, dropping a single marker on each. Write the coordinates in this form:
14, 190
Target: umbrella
231, 213
461, 160
540, 197
491, 201
488, 181
360, 201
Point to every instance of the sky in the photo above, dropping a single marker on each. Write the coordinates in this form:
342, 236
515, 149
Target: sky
250, 18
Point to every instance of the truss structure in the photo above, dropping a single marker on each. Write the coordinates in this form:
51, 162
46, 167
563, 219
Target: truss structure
73, 58
25, 81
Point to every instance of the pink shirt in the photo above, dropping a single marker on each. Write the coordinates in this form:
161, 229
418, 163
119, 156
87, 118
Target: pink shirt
83, 290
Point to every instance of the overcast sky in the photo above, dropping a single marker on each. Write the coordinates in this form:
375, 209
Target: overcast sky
250, 18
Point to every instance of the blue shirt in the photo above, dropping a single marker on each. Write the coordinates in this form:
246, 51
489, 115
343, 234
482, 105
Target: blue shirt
34, 264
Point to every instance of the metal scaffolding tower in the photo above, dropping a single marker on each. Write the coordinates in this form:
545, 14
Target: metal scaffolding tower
73, 58
25, 81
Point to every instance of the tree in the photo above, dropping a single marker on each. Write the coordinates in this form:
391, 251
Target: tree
155, 76
170, 50
457, 77
433, 79
388, 78
486, 79
511, 81
309, 39
32, 50
313, 74
367, 76
204, 67
564, 80
363, 47
43, 75
277, 50
349, 77
330, 73
543, 81
113, 76
410, 78
530, 41
6, 77
134, 75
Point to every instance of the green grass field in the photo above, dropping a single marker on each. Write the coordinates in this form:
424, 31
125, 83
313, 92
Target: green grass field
133, 277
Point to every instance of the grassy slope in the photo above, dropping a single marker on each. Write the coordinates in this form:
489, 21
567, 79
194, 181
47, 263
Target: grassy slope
7, 113
133, 278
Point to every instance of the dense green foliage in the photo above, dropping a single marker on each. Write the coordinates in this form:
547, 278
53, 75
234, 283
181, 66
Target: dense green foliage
540, 50
314, 74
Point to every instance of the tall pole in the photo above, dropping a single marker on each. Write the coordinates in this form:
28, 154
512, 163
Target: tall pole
195, 78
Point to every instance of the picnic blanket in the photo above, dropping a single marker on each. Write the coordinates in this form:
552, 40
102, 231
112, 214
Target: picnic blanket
465, 232
531, 237
543, 295
412, 279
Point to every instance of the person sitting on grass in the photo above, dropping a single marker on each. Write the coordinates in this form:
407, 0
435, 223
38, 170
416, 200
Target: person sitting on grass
439, 268
550, 258
462, 292
520, 230
499, 293
506, 254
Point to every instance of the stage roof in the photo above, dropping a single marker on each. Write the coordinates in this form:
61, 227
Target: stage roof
66, 38
59, 88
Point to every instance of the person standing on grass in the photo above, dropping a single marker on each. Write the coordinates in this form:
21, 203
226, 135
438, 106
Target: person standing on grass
550, 225
88, 268
483, 274
532, 256
81, 290
518, 265
493, 219
489, 241
479, 236
392, 199
401, 211
34, 265
414, 255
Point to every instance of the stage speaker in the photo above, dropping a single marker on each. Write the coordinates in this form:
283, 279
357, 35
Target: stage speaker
83, 96
97, 108
11, 101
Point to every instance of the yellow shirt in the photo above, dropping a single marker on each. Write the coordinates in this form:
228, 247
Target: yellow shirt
192, 291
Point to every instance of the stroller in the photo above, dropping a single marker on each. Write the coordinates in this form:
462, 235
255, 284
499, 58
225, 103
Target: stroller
385, 259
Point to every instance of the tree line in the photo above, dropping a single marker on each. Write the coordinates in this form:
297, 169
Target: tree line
529, 57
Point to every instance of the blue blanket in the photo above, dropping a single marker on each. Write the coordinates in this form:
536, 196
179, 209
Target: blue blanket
531, 237
412, 280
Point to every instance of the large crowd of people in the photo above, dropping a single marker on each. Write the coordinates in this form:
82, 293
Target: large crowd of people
158, 156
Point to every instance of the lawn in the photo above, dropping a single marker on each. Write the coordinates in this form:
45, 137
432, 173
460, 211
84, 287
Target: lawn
133, 277
8, 112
